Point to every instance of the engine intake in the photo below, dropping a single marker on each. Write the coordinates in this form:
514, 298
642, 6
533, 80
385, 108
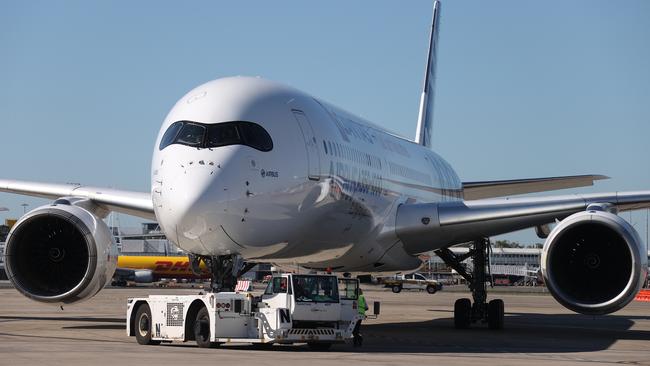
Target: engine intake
60, 254
594, 262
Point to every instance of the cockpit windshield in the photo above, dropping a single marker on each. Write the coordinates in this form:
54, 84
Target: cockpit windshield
202, 135
223, 134
191, 135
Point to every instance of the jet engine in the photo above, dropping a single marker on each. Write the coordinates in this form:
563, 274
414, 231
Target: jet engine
594, 262
60, 254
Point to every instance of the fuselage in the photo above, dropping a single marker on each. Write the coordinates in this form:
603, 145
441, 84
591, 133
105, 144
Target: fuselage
248, 166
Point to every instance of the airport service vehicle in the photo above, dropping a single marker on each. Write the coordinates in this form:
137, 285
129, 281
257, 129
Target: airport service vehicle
413, 281
293, 309
248, 170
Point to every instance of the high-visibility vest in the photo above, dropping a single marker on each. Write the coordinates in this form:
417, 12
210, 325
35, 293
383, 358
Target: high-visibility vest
362, 305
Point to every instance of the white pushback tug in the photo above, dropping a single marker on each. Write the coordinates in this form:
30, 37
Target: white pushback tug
319, 310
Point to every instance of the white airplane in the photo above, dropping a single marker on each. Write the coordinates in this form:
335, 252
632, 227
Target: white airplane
247, 170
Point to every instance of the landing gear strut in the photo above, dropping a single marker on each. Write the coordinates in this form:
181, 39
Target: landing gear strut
224, 270
466, 313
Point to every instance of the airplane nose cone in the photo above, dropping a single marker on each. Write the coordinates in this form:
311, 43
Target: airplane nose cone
191, 190
190, 206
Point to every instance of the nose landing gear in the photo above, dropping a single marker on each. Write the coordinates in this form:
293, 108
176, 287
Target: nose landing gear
224, 270
466, 312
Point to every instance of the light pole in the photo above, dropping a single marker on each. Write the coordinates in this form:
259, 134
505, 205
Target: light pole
24, 208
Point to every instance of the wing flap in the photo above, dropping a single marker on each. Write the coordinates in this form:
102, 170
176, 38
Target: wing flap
502, 188
128, 202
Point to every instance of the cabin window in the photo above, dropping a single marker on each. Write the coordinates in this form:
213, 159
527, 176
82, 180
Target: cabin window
348, 289
277, 285
315, 288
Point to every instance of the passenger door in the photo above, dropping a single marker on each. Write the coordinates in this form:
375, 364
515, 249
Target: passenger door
349, 296
313, 157
277, 293
409, 282
420, 280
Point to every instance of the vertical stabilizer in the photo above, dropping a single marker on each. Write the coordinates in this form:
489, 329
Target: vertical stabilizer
424, 130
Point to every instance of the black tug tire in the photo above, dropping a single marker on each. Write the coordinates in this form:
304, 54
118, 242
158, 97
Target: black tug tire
495, 314
143, 326
431, 289
397, 289
462, 313
202, 329
314, 346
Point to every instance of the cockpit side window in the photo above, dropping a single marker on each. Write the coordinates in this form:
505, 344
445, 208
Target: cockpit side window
255, 136
170, 135
201, 135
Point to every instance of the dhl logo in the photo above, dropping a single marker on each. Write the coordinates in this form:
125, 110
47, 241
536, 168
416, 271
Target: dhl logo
169, 266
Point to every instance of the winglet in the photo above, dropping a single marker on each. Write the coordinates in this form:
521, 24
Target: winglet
424, 130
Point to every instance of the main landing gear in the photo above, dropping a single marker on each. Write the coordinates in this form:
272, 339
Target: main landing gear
466, 312
224, 270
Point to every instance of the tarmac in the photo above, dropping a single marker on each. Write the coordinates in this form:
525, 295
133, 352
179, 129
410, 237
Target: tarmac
413, 328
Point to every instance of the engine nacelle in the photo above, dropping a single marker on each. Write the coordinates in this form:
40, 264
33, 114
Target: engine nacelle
60, 254
594, 262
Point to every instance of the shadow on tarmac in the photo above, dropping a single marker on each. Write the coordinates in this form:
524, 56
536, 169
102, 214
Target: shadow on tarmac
523, 333
63, 319
97, 327
116, 323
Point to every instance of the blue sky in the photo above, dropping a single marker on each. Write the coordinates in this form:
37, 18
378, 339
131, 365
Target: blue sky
525, 88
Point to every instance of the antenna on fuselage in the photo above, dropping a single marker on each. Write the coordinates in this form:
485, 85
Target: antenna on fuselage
424, 132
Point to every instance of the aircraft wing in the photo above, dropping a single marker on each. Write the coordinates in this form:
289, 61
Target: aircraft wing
128, 202
502, 188
429, 226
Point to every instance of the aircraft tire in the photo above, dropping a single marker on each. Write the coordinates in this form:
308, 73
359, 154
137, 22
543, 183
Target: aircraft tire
495, 314
143, 326
202, 332
462, 313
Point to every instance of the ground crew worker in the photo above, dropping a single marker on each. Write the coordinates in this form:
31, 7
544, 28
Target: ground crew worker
357, 339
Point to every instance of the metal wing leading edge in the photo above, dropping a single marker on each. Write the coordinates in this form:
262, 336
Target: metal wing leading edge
128, 202
430, 226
